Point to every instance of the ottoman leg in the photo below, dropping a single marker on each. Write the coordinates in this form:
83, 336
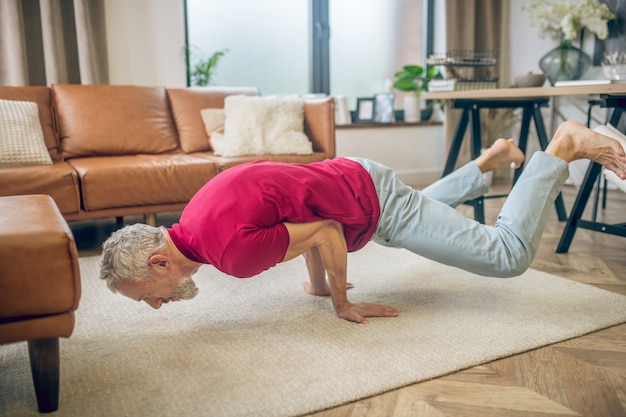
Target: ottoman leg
44, 365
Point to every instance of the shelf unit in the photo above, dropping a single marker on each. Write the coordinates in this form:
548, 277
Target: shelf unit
465, 70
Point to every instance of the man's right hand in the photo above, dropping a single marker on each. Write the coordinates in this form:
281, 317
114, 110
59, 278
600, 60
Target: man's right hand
359, 312
329, 259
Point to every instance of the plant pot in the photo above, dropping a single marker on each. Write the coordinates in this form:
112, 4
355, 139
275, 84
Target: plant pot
564, 63
412, 109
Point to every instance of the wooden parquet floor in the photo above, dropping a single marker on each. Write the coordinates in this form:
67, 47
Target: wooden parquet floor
585, 376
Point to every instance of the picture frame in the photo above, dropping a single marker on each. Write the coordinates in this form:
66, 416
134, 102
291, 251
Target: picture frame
365, 109
383, 107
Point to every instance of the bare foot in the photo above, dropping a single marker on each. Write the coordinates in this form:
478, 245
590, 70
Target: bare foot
573, 141
503, 151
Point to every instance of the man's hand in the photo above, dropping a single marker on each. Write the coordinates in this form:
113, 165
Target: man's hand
324, 247
358, 312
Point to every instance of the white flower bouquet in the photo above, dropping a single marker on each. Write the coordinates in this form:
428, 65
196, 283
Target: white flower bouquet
565, 19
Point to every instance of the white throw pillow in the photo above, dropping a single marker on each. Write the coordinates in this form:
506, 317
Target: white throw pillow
213, 120
21, 136
257, 125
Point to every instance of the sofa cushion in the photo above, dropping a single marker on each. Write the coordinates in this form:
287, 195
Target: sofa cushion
21, 136
97, 120
58, 180
140, 180
41, 96
187, 103
213, 120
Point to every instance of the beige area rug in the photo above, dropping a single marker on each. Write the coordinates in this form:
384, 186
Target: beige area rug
262, 347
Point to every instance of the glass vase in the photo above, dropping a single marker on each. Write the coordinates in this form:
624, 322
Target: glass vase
564, 63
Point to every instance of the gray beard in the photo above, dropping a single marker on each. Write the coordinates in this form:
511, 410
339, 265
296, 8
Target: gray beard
186, 290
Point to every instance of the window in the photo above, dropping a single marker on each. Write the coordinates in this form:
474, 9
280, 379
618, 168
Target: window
347, 47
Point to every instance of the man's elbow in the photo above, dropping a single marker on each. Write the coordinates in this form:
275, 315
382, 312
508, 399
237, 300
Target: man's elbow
333, 231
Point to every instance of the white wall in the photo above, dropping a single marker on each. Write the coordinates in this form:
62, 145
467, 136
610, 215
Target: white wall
416, 153
145, 41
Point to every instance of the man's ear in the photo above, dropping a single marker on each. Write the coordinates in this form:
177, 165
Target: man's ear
159, 260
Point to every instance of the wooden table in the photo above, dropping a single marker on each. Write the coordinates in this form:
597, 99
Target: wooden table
618, 89
531, 100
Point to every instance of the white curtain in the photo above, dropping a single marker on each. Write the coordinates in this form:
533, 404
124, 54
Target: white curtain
44, 42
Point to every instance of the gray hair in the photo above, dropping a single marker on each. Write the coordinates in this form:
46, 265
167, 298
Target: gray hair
126, 252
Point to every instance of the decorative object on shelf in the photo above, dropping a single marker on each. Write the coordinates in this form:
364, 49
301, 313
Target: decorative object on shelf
565, 62
415, 79
412, 109
342, 112
383, 107
530, 80
365, 107
614, 65
567, 20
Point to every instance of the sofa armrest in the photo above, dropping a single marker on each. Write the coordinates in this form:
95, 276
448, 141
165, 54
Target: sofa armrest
319, 124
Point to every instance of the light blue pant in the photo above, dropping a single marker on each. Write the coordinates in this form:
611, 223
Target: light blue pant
425, 222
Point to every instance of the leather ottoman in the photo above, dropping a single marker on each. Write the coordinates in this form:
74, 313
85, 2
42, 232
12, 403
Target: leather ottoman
39, 286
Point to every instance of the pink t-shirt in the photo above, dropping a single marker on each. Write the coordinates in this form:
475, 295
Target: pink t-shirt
235, 222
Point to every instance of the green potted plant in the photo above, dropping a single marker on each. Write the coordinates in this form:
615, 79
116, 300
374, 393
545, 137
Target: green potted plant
201, 67
415, 78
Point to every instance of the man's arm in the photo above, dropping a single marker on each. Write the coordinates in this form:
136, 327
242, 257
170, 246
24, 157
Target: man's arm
327, 237
317, 284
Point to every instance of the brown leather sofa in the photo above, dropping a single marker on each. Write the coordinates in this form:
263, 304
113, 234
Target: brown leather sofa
131, 150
